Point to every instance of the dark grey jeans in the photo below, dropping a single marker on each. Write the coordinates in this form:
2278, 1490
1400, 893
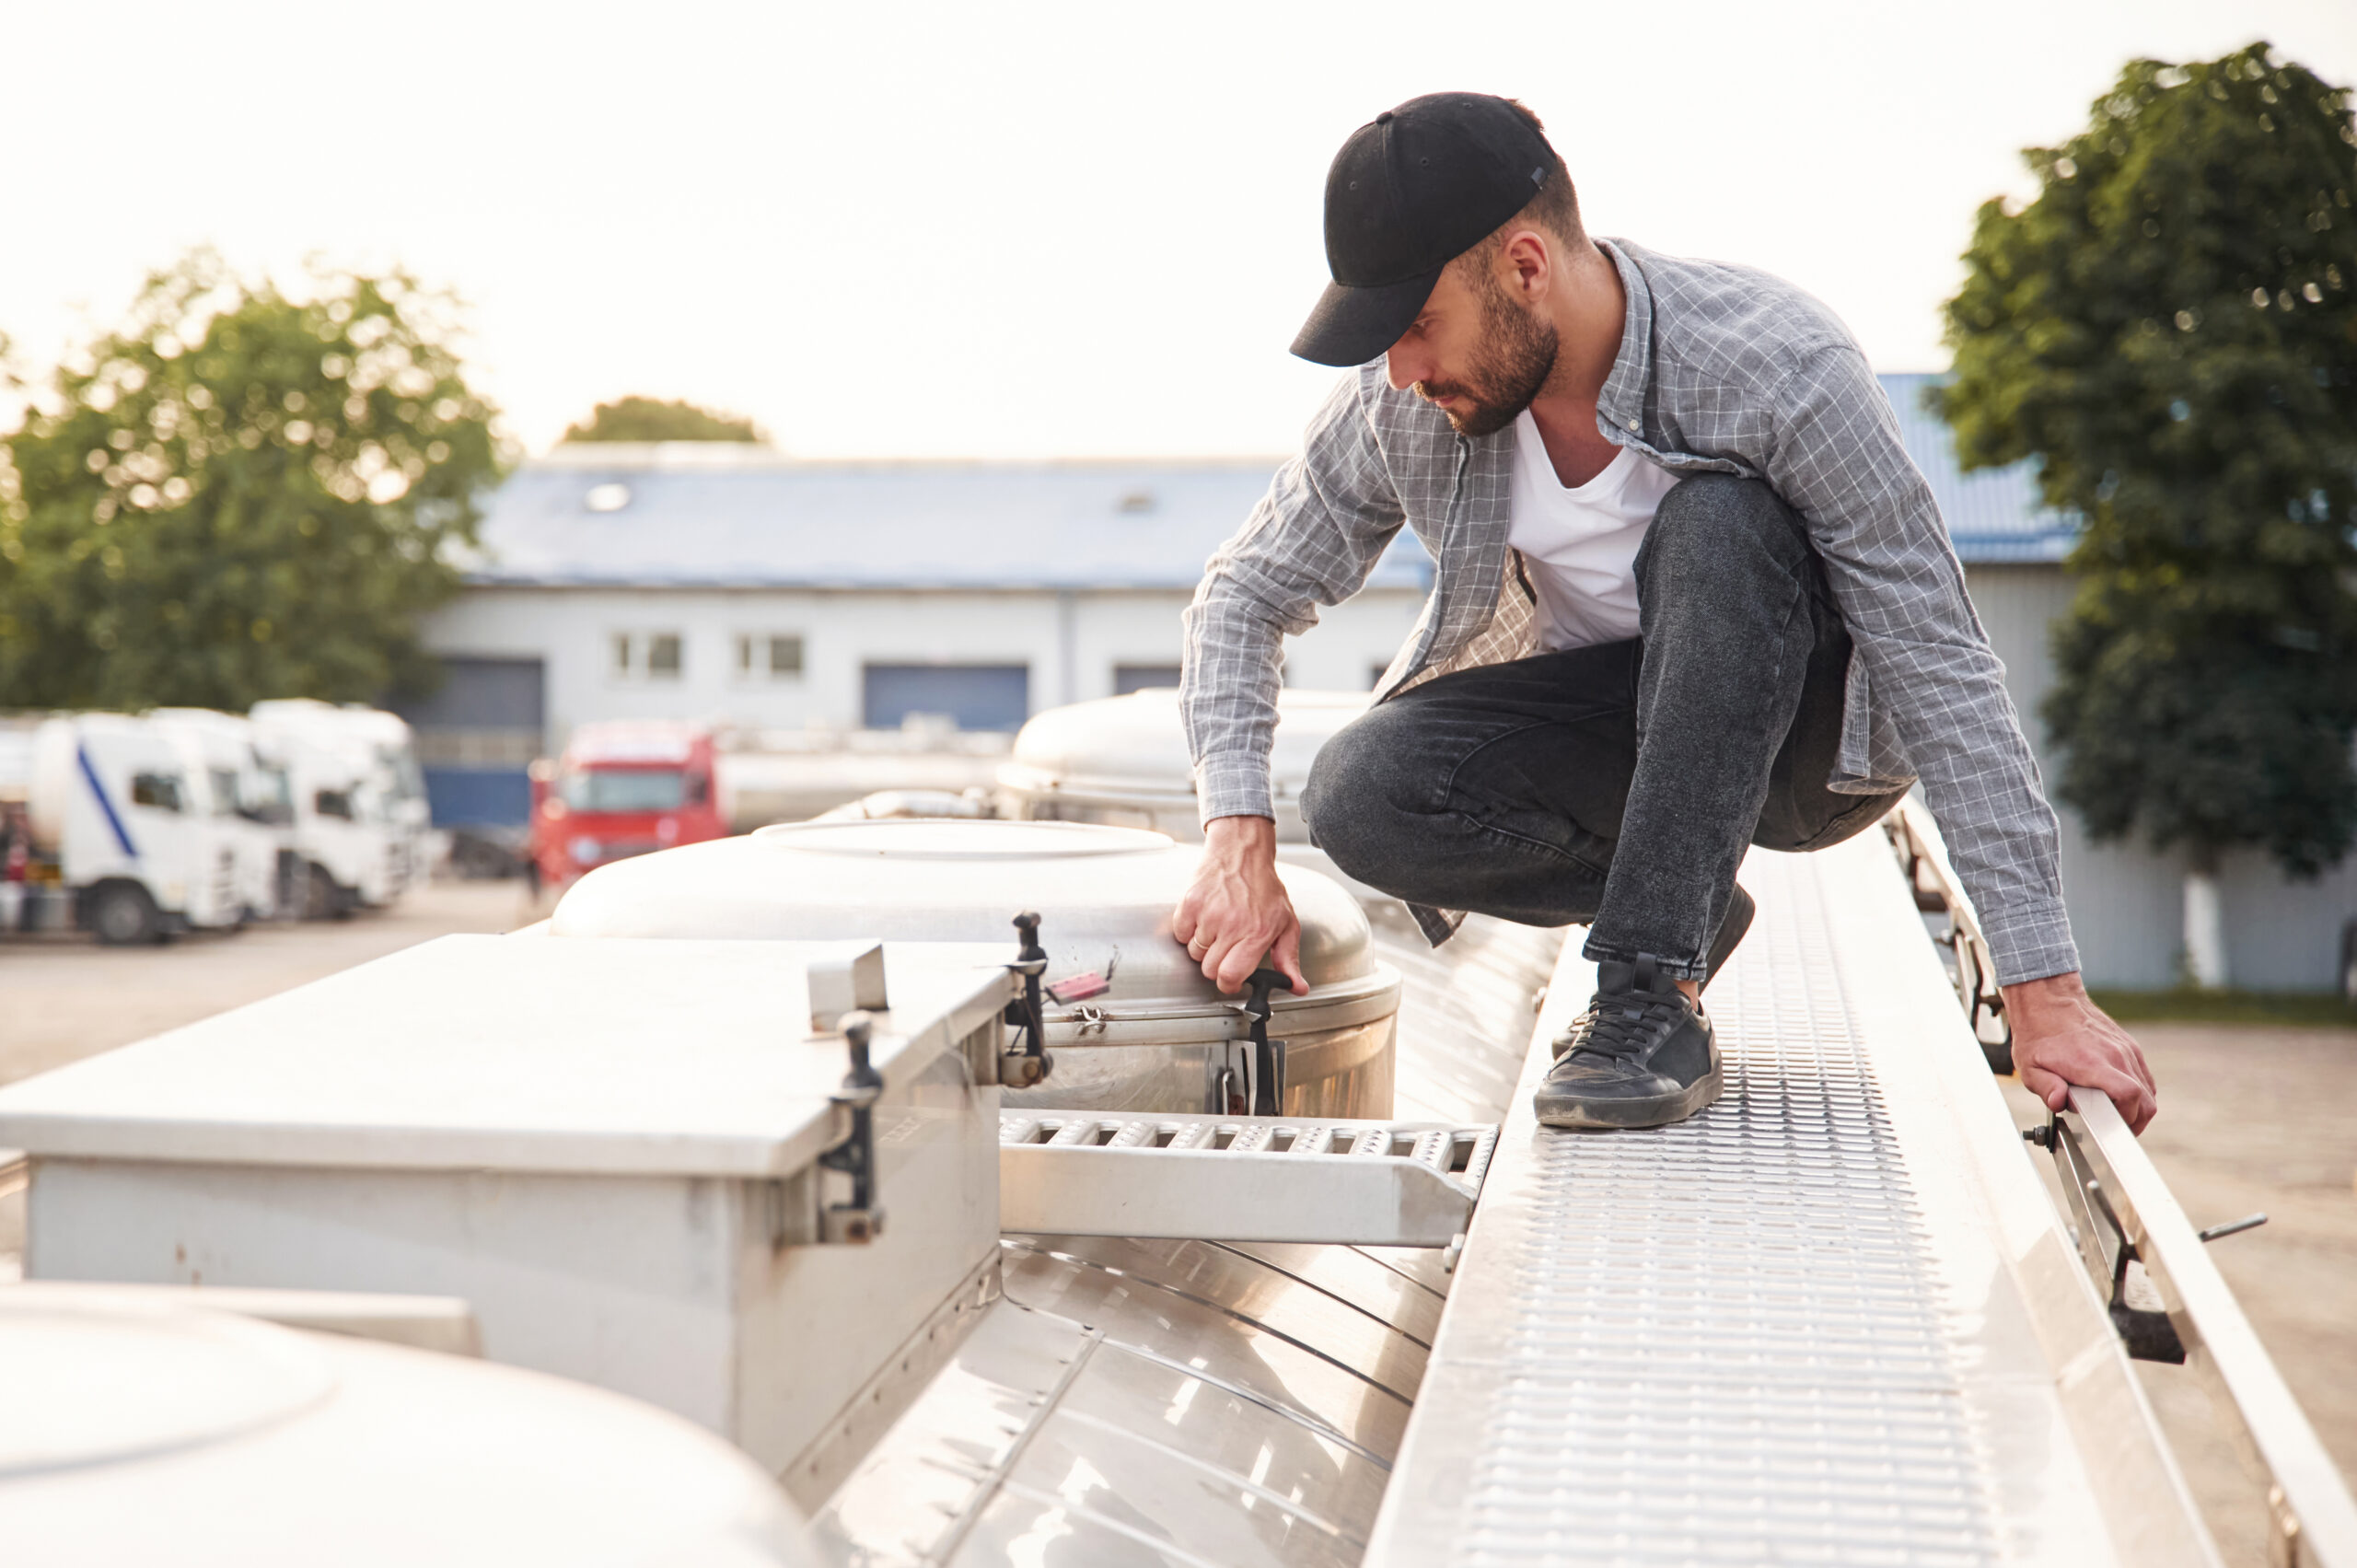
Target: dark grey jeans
1617, 784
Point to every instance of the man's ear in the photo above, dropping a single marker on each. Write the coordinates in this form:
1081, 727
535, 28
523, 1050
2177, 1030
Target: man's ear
1528, 266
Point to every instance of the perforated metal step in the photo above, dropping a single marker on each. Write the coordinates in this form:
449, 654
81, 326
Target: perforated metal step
1239, 1178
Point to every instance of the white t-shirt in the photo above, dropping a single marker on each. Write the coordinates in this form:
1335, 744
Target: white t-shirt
1580, 544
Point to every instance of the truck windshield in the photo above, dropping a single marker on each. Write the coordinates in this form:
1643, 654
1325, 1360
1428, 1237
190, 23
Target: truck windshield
623, 789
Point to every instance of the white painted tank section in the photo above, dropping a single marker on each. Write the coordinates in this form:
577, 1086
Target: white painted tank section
606, 1147
1150, 1040
141, 1431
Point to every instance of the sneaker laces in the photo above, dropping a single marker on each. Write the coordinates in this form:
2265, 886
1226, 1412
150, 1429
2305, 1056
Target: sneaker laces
1618, 1025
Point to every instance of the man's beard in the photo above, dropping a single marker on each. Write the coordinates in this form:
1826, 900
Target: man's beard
1516, 355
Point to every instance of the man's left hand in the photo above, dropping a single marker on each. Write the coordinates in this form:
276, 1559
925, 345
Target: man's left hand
2062, 1037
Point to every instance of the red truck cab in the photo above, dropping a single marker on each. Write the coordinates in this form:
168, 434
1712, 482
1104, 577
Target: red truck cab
622, 788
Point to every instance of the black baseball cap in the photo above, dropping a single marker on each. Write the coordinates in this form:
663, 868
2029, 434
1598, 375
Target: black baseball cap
1413, 189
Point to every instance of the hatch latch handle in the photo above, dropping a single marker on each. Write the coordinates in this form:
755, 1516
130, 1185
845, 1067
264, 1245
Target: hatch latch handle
1268, 1057
861, 1220
1024, 1065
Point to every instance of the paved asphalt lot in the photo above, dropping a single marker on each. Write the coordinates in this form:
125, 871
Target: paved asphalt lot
2251, 1118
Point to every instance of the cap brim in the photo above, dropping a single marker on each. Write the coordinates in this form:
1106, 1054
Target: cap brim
1351, 325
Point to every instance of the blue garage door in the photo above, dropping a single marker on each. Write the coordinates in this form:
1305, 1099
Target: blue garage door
476, 736
973, 696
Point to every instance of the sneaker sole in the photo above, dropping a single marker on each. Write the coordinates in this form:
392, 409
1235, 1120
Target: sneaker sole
1628, 1114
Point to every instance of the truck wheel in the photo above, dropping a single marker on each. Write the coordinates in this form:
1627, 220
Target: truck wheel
121, 915
322, 899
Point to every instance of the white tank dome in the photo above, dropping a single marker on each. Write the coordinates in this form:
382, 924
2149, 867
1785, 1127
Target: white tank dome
1105, 896
138, 1432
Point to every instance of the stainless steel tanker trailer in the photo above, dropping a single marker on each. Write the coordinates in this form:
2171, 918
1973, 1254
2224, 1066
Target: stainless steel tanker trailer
911, 1157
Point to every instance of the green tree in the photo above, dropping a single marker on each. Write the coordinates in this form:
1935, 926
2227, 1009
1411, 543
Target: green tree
2169, 329
239, 495
651, 419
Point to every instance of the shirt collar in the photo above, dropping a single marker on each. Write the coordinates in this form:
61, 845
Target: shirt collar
1621, 404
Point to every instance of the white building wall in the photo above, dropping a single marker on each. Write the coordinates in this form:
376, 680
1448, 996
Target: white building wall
2126, 899
1072, 642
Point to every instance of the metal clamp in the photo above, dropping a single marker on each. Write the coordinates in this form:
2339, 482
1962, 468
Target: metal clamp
1025, 1065
861, 1220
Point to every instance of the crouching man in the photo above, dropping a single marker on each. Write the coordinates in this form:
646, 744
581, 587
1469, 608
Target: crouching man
1691, 595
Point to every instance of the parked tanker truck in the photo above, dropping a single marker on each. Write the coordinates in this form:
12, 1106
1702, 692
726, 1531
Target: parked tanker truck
133, 836
357, 799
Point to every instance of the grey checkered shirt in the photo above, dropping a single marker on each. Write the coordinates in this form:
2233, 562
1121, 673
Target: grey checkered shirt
1722, 369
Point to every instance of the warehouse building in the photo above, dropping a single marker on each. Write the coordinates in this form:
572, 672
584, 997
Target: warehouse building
726, 582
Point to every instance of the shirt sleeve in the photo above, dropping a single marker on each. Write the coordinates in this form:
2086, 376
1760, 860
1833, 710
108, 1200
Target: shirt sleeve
1838, 460
1311, 540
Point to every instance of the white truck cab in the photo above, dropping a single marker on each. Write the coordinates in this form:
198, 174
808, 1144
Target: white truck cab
359, 801
250, 800
145, 842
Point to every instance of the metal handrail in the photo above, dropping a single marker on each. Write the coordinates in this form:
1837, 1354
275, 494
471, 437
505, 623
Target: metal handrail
2312, 1519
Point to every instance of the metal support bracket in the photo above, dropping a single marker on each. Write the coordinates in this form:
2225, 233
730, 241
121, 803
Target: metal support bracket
1240, 1177
1972, 968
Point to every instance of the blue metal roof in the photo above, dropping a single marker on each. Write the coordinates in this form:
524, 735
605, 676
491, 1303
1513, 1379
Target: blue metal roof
1994, 516
744, 519
686, 515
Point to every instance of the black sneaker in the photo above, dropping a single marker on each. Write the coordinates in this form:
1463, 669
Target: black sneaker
1643, 1055
1731, 925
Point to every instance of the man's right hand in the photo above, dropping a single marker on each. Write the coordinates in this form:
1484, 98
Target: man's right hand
1236, 909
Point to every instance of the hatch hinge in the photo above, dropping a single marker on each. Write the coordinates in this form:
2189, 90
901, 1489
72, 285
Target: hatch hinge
861, 1220
1025, 1062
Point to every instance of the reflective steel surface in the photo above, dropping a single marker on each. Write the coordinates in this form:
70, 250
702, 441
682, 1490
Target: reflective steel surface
1188, 1402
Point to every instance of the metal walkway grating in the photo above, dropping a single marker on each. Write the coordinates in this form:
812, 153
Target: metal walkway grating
1762, 1270
1832, 1320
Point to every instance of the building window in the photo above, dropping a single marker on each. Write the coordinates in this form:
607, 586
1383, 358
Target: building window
647, 656
776, 656
1129, 677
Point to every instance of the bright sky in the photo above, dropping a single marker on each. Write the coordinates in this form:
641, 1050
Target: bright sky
1001, 230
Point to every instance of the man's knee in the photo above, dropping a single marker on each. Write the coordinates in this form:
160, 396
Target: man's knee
1707, 515
1351, 803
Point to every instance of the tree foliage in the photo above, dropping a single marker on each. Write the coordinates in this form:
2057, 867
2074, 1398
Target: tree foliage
651, 419
239, 495
2170, 329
